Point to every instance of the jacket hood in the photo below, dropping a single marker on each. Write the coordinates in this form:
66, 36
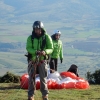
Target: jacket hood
34, 34
54, 37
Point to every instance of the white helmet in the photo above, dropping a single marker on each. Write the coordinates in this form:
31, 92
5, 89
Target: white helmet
57, 32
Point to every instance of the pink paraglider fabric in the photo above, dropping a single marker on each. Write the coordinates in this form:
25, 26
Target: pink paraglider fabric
69, 81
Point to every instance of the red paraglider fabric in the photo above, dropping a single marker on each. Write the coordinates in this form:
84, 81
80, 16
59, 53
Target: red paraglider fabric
24, 81
69, 81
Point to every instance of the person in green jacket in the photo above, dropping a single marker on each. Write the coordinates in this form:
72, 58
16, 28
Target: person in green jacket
57, 51
39, 45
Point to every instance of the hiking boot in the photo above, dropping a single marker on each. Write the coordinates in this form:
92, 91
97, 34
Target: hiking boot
45, 97
31, 98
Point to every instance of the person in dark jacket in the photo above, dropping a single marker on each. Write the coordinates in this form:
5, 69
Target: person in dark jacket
74, 69
57, 51
39, 51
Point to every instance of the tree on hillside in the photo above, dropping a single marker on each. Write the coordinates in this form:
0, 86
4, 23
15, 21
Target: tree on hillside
93, 78
9, 77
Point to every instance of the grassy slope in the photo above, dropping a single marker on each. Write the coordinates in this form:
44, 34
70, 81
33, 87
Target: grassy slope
17, 63
13, 62
13, 92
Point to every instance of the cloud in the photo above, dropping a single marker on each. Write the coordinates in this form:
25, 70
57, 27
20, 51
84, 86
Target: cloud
4, 8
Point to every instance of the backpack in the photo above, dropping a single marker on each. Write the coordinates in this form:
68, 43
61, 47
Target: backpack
29, 56
74, 69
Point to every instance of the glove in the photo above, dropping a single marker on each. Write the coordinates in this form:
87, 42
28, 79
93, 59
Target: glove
61, 60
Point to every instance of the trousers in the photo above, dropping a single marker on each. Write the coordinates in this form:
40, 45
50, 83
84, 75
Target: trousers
42, 70
53, 64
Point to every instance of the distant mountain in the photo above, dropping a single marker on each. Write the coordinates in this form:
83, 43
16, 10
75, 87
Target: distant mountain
75, 19
65, 11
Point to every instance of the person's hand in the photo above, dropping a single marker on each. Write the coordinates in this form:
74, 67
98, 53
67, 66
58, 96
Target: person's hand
43, 53
61, 60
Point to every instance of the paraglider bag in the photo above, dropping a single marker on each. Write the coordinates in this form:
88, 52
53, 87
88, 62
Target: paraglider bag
74, 69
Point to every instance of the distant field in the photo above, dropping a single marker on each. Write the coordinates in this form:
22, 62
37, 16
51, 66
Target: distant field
20, 32
86, 61
14, 38
13, 62
17, 63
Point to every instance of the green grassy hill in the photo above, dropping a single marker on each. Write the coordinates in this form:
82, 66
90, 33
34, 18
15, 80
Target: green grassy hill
13, 62
17, 62
14, 92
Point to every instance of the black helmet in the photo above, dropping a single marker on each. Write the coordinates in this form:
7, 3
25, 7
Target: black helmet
38, 24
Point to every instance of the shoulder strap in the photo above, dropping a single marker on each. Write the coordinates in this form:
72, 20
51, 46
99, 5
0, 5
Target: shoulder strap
43, 42
32, 39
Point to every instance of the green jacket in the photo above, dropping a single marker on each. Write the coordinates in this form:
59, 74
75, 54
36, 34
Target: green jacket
58, 49
34, 46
